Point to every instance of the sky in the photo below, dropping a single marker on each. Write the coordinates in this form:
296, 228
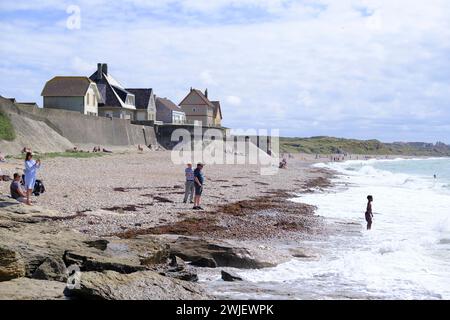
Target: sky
361, 69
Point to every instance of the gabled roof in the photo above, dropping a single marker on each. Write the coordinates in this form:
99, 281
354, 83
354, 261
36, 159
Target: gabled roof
66, 87
201, 95
142, 97
113, 94
168, 104
217, 109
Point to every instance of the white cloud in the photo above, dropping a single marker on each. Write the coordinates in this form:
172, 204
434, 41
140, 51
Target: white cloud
207, 78
233, 100
309, 67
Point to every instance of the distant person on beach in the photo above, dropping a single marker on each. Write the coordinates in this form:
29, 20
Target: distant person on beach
198, 179
190, 184
435, 176
369, 214
17, 192
26, 150
283, 164
31, 167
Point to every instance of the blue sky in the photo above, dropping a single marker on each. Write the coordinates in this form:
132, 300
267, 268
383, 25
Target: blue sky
349, 68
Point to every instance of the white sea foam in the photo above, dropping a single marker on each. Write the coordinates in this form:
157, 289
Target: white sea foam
406, 254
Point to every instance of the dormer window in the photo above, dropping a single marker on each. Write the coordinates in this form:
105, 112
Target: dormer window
130, 100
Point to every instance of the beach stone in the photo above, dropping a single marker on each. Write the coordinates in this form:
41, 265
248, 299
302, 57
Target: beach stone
185, 275
51, 269
205, 253
31, 289
97, 261
177, 263
11, 265
143, 285
301, 253
226, 276
100, 244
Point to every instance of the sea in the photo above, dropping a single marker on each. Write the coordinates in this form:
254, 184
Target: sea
406, 255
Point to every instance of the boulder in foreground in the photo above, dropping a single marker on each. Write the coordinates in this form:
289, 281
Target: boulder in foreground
141, 285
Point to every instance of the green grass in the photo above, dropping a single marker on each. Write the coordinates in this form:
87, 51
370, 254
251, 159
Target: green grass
6, 128
67, 154
330, 145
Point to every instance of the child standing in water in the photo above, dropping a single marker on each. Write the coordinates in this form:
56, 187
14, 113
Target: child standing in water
369, 214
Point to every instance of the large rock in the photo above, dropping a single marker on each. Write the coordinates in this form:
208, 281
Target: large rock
121, 255
204, 253
31, 289
32, 240
51, 269
143, 285
11, 264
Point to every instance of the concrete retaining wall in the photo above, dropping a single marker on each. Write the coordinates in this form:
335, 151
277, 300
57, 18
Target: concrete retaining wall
84, 129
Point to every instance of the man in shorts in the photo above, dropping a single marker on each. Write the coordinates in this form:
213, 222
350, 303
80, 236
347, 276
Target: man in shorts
198, 179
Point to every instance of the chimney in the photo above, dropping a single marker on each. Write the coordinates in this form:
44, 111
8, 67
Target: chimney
206, 93
99, 71
191, 89
105, 69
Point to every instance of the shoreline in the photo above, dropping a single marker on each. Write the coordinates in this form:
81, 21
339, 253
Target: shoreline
246, 214
249, 221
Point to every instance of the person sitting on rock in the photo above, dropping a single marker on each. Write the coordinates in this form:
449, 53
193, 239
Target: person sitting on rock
17, 192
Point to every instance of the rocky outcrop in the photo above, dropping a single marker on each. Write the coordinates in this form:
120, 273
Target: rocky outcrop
205, 253
31, 289
35, 252
142, 285
11, 265
227, 276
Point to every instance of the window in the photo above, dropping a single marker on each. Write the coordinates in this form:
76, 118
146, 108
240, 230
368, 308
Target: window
87, 99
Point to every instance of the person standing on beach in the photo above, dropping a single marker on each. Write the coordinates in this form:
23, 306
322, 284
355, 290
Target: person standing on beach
198, 179
369, 214
190, 184
31, 167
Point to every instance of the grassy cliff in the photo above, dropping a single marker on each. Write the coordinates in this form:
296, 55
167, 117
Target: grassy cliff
330, 145
6, 128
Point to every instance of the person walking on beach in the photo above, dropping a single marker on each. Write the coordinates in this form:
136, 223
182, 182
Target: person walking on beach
16, 189
31, 167
198, 179
190, 184
369, 214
